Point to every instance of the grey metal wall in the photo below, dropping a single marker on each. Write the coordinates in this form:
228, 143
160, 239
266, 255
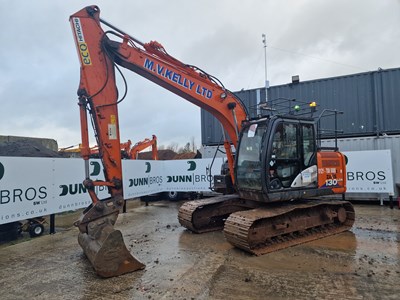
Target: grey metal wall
211, 130
370, 102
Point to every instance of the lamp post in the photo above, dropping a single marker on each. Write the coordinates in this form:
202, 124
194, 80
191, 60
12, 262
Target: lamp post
264, 40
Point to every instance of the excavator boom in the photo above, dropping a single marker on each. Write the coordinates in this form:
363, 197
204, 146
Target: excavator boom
98, 102
98, 55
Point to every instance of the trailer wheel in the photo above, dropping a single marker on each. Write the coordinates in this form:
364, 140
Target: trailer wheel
36, 229
19, 228
173, 196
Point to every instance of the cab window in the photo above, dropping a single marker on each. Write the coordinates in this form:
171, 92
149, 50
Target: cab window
309, 148
248, 172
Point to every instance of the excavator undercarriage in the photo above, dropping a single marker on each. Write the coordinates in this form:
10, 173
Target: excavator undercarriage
210, 214
260, 229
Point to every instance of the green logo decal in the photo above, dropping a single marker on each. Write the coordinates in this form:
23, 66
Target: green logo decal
96, 168
148, 167
1, 171
192, 165
64, 190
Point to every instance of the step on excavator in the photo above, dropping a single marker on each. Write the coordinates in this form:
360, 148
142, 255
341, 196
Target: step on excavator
278, 173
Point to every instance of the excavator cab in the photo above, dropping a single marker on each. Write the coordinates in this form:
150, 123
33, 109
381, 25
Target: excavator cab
277, 159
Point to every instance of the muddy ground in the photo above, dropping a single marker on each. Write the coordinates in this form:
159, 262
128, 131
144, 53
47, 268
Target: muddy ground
361, 264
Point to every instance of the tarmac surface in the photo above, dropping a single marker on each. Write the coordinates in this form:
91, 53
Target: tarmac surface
363, 263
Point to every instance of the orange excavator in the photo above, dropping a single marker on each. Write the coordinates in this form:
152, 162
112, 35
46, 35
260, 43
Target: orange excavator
278, 172
140, 146
130, 152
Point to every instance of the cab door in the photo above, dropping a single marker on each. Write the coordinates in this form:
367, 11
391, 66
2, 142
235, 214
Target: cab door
249, 164
291, 156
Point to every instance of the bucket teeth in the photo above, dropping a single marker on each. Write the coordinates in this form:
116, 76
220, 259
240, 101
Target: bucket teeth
108, 253
102, 244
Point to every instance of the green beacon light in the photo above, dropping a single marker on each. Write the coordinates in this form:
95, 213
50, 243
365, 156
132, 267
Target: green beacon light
297, 107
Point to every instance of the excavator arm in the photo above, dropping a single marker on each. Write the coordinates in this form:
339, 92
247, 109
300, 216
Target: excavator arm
98, 102
98, 93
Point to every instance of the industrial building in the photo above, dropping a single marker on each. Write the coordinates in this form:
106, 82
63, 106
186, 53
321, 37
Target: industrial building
369, 102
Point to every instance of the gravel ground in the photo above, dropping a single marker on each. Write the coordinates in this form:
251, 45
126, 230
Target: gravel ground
363, 263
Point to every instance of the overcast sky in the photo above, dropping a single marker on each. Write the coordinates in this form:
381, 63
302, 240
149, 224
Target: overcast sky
310, 38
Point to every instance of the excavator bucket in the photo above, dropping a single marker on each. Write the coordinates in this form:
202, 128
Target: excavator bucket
103, 245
